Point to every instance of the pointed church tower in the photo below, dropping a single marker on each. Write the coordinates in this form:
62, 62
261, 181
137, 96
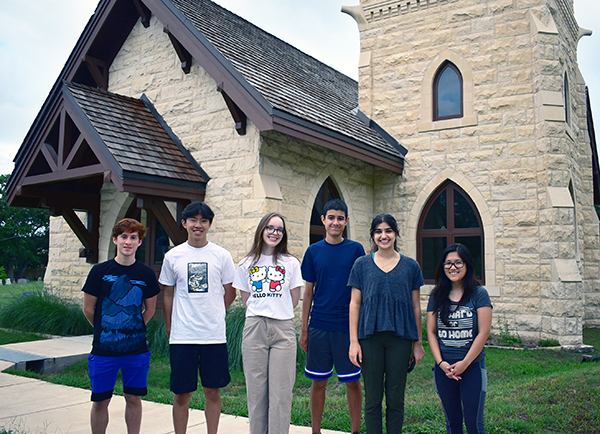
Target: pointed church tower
487, 97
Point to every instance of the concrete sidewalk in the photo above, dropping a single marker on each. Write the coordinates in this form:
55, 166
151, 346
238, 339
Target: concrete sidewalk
36, 407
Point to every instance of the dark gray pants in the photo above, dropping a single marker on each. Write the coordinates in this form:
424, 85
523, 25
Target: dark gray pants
385, 361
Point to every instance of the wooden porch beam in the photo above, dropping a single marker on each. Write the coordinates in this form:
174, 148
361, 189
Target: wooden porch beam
89, 237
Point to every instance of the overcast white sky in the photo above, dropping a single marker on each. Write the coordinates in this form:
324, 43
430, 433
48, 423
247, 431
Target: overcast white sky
37, 36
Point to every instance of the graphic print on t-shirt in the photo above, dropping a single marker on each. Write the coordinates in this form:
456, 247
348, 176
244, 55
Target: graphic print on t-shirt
198, 277
460, 332
257, 275
266, 277
122, 324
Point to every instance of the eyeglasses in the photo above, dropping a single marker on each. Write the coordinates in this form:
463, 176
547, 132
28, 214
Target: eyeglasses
457, 264
273, 230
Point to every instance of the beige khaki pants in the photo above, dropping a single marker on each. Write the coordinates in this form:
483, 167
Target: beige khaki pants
269, 354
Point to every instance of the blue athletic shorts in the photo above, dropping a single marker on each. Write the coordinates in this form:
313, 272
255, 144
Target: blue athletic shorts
326, 349
211, 361
103, 374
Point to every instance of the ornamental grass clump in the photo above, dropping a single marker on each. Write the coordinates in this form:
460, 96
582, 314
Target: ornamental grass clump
47, 314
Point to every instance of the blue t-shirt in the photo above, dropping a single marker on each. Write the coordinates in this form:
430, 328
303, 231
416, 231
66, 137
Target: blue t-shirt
328, 266
119, 328
387, 297
456, 339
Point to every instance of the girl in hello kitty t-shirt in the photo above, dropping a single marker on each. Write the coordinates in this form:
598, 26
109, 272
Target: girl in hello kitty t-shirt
269, 337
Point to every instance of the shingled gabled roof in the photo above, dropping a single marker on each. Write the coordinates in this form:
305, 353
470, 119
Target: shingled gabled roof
136, 138
96, 136
291, 81
276, 86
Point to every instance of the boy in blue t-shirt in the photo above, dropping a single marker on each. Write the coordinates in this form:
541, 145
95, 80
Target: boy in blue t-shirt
325, 268
119, 299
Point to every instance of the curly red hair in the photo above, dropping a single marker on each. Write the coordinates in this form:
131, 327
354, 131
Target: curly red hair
129, 225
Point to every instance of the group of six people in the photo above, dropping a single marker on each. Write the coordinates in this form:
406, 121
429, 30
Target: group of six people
361, 314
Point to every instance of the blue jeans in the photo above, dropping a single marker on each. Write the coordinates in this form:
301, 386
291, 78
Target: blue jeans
464, 399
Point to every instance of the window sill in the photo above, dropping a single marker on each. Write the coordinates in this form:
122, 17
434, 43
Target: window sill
465, 121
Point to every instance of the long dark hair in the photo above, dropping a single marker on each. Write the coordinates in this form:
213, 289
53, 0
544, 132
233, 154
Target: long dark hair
443, 285
258, 243
391, 221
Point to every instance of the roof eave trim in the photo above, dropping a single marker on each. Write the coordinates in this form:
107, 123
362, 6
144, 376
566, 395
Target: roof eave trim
158, 186
296, 127
381, 132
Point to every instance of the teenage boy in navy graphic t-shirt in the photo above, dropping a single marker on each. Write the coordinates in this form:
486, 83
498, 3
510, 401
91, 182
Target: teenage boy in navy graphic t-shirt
119, 299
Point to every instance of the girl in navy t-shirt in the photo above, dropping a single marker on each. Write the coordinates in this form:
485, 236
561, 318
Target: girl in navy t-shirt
459, 319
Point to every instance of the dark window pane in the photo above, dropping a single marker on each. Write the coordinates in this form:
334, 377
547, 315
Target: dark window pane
315, 238
448, 93
567, 100
317, 211
432, 250
474, 246
326, 193
464, 214
436, 218
161, 243
140, 254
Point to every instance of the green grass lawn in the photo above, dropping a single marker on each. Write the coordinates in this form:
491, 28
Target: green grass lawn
10, 293
11, 337
529, 391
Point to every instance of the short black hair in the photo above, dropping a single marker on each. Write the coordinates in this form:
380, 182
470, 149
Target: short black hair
336, 205
198, 208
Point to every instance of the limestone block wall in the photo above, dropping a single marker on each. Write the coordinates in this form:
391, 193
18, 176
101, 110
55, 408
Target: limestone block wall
300, 169
66, 271
512, 144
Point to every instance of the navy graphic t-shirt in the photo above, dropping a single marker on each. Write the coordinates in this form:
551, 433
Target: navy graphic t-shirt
456, 338
119, 328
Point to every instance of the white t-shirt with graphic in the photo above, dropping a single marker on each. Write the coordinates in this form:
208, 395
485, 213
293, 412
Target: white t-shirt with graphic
269, 285
198, 275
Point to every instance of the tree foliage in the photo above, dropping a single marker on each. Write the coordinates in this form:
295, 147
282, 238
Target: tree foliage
24, 236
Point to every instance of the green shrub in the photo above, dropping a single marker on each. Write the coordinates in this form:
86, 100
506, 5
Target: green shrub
236, 318
3, 275
44, 313
505, 336
158, 343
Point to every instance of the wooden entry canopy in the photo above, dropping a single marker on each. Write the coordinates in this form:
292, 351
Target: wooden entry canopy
93, 137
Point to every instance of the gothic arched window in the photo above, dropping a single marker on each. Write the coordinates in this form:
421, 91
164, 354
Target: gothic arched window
327, 192
449, 216
447, 92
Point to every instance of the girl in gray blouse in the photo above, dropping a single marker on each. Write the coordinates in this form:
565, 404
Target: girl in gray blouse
385, 324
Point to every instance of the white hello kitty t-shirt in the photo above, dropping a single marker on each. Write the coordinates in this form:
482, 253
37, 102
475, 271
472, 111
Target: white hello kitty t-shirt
269, 285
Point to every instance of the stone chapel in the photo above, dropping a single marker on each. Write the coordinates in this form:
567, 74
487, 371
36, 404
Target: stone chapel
469, 123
